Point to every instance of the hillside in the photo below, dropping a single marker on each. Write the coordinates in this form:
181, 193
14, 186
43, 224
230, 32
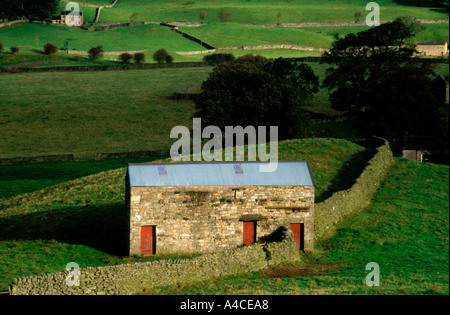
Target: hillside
82, 220
259, 12
241, 28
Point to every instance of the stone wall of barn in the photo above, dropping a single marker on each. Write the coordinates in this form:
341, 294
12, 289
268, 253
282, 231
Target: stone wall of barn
207, 219
432, 50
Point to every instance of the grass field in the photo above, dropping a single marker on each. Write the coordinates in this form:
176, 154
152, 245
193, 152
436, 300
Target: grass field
82, 220
87, 112
73, 112
405, 230
232, 34
152, 37
139, 37
261, 11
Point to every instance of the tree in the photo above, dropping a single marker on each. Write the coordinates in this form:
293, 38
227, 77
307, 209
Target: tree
224, 16
1, 47
202, 16
258, 92
218, 58
160, 56
139, 58
359, 59
405, 102
32, 9
14, 49
125, 57
358, 15
169, 59
278, 18
95, 52
49, 48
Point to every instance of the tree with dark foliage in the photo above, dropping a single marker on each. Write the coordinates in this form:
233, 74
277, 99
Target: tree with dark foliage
254, 91
95, 52
391, 93
31, 9
360, 59
49, 49
405, 101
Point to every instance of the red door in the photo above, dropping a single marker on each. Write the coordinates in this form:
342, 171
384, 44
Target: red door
297, 229
249, 233
147, 240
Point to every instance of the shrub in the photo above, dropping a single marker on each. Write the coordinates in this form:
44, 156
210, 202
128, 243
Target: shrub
202, 16
218, 59
14, 49
224, 16
160, 56
95, 52
358, 15
169, 59
139, 58
125, 57
1, 47
50, 49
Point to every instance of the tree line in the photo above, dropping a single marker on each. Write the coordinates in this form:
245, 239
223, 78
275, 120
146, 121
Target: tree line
373, 75
31, 9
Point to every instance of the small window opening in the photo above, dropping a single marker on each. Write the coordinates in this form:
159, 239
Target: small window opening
162, 170
238, 169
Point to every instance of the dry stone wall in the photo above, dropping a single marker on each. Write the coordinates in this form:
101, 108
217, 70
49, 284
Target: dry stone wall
342, 203
128, 279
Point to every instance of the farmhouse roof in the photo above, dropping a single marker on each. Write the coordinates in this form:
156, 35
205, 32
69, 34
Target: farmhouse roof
75, 12
288, 173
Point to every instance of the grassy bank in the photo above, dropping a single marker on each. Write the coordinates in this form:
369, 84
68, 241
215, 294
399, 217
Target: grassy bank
21, 179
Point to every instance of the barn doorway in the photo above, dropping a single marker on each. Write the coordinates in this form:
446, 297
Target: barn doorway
298, 231
148, 240
249, 233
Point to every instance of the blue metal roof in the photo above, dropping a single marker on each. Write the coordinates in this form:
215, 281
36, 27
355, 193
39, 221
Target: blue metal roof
288, 173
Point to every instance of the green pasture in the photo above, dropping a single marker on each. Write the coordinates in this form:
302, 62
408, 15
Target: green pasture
232, 34
31, 38
261, 11
111, 111
138, 37
87, 112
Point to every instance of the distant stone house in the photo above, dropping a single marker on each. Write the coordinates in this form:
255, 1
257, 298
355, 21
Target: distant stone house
69, 18
207, 207
432, 49
417, 148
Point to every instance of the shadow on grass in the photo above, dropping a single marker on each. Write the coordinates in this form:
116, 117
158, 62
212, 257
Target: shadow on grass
347, 174
100, 227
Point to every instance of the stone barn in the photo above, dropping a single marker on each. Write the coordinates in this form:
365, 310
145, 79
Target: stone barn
207, 207
432, 49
